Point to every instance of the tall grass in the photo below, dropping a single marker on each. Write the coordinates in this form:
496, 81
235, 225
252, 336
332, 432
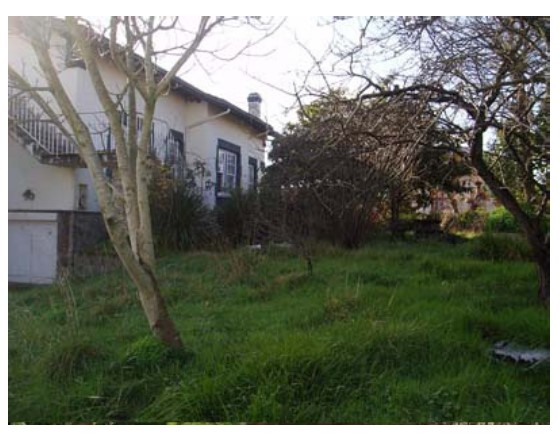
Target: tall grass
391, 333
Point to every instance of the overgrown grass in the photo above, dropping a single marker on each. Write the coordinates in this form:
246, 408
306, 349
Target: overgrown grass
392, 333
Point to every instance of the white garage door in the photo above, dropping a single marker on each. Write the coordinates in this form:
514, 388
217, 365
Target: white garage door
32, 249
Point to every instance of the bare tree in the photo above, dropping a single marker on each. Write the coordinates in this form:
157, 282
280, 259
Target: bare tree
344, 157
129, 43
489, 80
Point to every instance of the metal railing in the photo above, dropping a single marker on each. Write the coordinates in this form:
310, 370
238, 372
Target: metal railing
44, 138
36, 128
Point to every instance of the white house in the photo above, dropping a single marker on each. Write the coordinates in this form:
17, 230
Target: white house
52, 208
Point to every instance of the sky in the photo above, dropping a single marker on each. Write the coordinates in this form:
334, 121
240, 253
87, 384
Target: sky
278, 66
272, 67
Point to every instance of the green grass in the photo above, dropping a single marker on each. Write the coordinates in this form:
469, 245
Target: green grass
391, 333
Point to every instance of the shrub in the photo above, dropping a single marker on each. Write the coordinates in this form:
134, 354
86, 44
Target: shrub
70, 359
471, 220
238, 217
498, 247
501, 220
340, 308
181, 220
149, 354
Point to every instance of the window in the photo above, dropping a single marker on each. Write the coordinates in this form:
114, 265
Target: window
228, 168
172, 154
139, 127
175, 145
252, 173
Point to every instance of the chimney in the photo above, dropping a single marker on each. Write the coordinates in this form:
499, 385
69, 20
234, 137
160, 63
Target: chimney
254, 101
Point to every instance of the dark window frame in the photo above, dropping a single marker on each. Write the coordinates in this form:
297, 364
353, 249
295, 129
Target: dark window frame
253, 172
232, 148
178, 136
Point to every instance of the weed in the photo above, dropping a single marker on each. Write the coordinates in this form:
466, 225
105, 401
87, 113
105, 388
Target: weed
343, 306
148, 354
499, 247
392, 333
70, 359
70, 307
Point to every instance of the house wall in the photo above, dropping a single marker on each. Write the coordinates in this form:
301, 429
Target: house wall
22, 58
53, 187
172, 110
229, 129
191, 117
82, 176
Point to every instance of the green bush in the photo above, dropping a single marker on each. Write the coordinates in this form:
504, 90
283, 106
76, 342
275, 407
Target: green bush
499, 247
180, 219
471, 220
149, 354
501, 220
71, 358
238, 217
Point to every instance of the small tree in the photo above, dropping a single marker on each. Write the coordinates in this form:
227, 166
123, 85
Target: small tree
125, 206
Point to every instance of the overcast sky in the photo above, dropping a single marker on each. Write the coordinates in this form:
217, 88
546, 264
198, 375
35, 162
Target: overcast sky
271, 67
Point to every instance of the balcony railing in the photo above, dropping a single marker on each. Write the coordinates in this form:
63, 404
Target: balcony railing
48, 143
36, 128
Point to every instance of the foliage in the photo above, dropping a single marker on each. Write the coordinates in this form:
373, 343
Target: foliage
388, 334
501, 220
438, 169
70, 358
494, 246
181, 220
472, 220
342, 159
149, 354
238, 217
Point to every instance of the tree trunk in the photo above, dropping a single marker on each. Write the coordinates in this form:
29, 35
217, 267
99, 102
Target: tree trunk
155, 309
153, 304
543, 278
530, 226
394, 206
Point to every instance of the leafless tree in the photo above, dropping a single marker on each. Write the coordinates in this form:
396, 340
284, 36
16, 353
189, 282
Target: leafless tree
344, 157
489, 80
131, 45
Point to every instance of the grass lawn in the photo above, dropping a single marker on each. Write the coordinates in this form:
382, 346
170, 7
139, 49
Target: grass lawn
392, 333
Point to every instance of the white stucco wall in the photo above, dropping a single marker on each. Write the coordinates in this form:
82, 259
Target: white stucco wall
230, 129
81, 176
53, 187
172, 111
22, 58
